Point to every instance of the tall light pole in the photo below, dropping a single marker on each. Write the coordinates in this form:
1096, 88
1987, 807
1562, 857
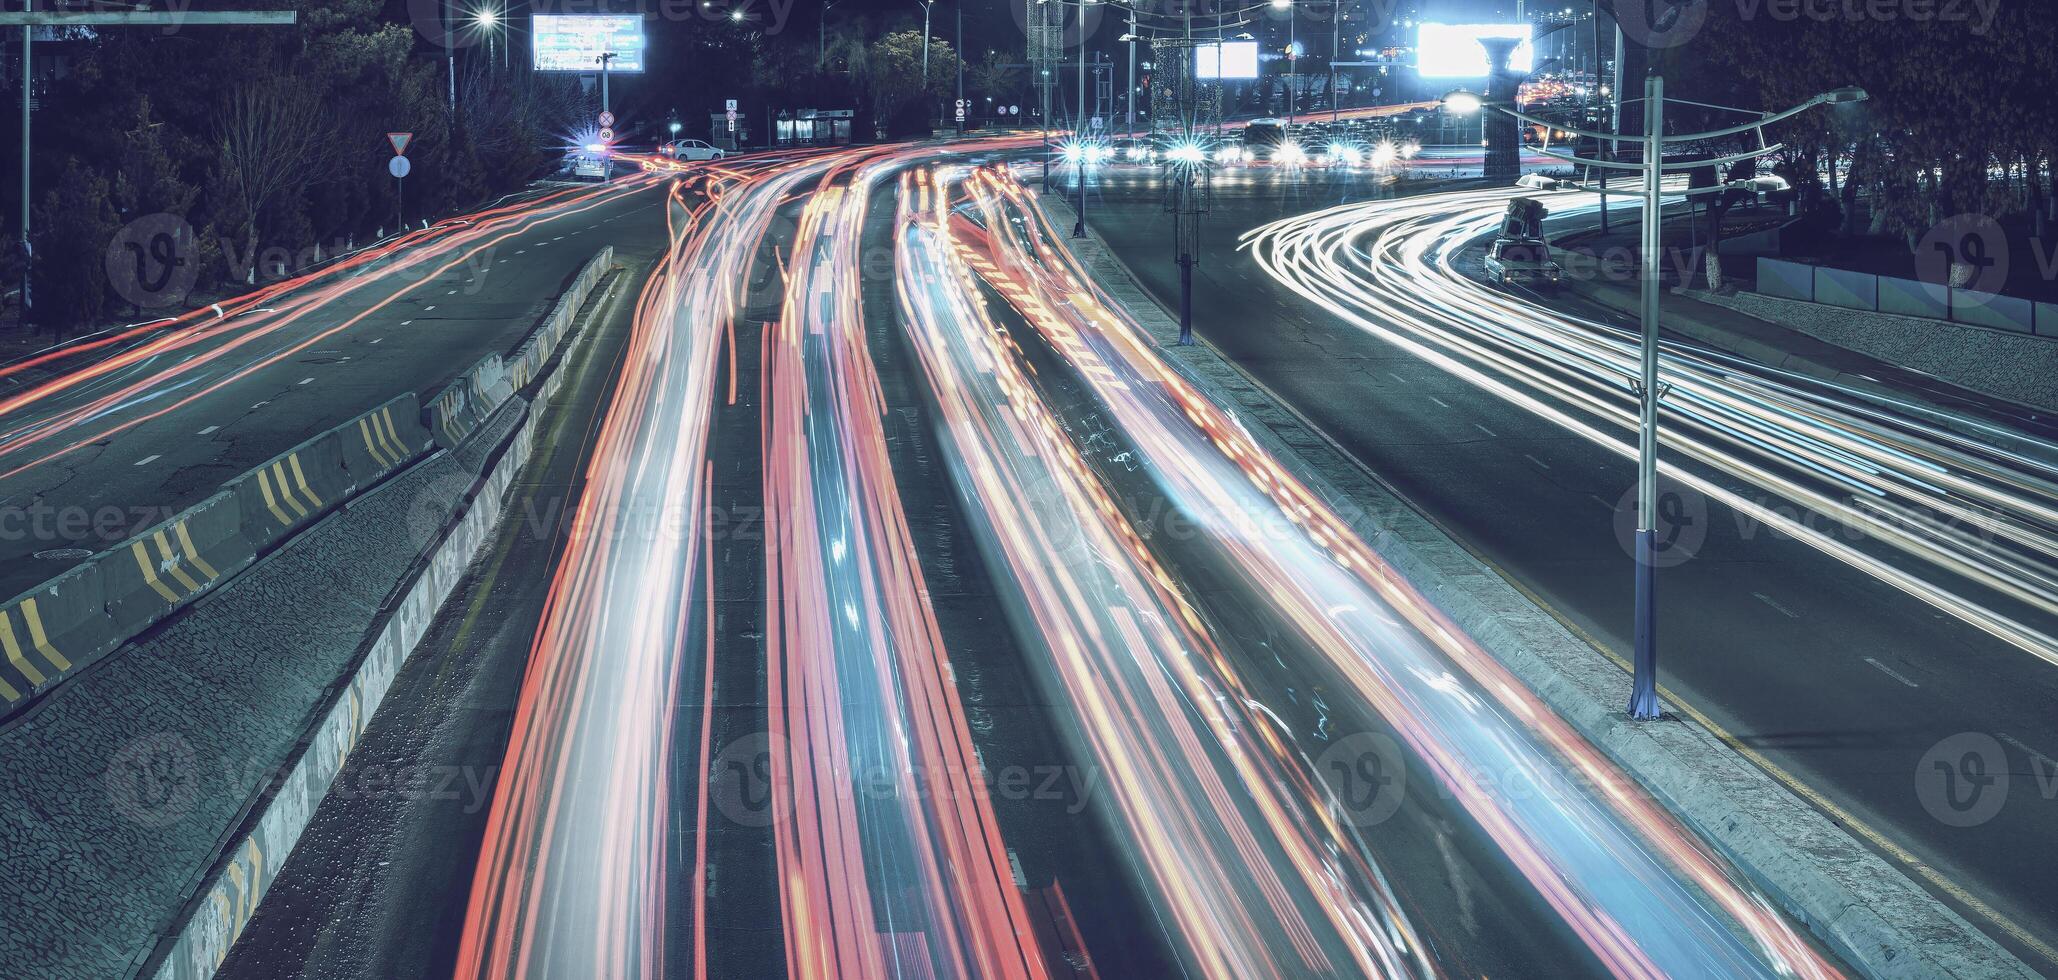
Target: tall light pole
1336, 50
927, 5
1292, 62
1079, 131
1643, 697
822, 33
1129, 129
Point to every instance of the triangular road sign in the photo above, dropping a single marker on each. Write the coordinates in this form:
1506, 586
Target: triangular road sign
399, 141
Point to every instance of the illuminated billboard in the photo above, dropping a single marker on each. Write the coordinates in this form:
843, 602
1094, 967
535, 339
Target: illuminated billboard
575, 42
1229, 60
1453, 50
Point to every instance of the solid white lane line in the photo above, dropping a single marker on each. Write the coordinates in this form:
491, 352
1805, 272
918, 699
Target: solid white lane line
1890, 672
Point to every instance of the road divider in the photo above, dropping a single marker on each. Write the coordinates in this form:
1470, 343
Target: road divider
500, 444
56, 629
460, 407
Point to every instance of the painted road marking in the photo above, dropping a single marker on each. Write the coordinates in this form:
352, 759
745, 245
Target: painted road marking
1890, 672
262, 403
1439, 401
306, 380
377, 339
1396, 377
153, 457
451, 293
1486, 430
402, 323
426, 309
1596, 498
1766, 599
208, 430
1536, 461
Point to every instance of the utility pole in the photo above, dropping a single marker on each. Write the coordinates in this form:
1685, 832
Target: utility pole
1130, 128
1079, 133
1643, 695
28, 20
1335, 51
449, 50
960, 42
1643, 698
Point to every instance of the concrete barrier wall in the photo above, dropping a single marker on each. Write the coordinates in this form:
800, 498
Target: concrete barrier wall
1913, 297
1865, 292
1993, 312
248, 866
251, 865
1851, 290
458, 409
1788, 279
55, 629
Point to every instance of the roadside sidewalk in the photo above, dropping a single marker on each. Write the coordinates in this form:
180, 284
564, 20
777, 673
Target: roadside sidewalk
1870, 913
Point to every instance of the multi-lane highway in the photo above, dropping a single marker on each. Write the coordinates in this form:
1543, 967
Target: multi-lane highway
1860, 579
881, 602
1018, 665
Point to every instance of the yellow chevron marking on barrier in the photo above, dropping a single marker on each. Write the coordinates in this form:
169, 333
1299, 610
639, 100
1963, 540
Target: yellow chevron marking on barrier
228, 921
301, 479
392, 435
150, 573
7, 691
39, 639
235, 873
256, 878
186, 542
364, 430
389, 436
285, 489
264, 483
21, 663
172, 563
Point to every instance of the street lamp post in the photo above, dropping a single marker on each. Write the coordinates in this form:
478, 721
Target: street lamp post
1643, 697
1292, 62
1079, 131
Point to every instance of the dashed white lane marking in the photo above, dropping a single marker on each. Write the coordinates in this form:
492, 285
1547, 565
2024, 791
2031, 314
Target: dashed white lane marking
1536, 461
1439, 401
1890, 672
147, 459
426, 309
1396, 377
207, 430
558, 238
1486, 430
2044, 766
377, 339
521, 251
262, 404
405, 322
451, 293
1766, 599
307, 381
1596, 498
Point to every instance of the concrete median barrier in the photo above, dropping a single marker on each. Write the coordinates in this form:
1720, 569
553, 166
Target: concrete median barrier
383, 440
148, 576
290, 490
52, 630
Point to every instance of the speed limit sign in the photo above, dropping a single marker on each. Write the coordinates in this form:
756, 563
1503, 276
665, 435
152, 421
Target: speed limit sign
607, 135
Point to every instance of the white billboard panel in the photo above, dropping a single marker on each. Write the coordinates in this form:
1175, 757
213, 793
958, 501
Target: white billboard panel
1227, 61
575, 42
1453, 50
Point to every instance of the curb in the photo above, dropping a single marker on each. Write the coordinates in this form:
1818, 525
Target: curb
1868, 912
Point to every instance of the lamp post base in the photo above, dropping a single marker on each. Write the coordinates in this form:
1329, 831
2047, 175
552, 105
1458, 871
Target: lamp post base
1643, 685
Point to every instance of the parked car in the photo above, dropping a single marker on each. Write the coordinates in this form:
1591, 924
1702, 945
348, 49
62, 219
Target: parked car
589, 166
1521, 260
691, 150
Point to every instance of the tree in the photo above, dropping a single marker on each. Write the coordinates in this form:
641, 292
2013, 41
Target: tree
892, 78
74, 225
272, 145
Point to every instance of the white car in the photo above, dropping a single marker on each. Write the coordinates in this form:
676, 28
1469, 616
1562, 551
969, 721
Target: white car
691, 150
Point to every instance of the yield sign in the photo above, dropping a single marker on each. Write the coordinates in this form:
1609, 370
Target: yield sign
399, 141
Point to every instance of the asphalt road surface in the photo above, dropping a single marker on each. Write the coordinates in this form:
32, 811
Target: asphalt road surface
1843, 685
